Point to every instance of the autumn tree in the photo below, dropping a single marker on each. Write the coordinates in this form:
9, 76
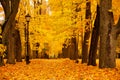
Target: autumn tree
94, 40
107, 53
8, 28
85, 45
18, 47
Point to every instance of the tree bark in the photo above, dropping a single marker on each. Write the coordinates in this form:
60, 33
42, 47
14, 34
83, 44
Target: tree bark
118, 27
94, 40
107, 53
74, 44
85, 45
18, 48
64, 50
11, 47
10, 17
2, 61
8, 28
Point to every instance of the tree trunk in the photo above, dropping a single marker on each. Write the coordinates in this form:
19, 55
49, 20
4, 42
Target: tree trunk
76, 48
11, 9
74, 44
118, 27
69, 50
1, 61
72, 51
107, 36
18, 48
85, 45
11, 46
10, 17
94, 40
64, 50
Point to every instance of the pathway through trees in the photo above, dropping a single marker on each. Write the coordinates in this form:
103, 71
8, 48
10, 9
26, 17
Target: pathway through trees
57, 69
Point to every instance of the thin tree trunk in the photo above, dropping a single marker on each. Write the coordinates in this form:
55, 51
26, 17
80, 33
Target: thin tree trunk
118, 27
76, 48
85, 45
1, 61
94, 40
107, 54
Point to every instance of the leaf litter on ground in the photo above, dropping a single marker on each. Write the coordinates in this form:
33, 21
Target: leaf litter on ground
57, 69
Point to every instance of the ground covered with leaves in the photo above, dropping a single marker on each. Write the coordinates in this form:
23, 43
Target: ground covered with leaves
57, 69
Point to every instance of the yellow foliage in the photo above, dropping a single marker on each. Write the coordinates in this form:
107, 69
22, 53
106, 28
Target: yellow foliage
2, 49
57, 20
51, 28
116, 9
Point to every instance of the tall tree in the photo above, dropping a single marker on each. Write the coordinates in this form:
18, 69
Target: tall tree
74, 38
107, 53
85, 45
94, 40
18, 47
8, 28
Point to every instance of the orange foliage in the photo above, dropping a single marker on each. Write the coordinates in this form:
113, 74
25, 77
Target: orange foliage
116, 10
57, 69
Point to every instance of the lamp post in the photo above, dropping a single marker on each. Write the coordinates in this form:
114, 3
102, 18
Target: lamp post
27, 17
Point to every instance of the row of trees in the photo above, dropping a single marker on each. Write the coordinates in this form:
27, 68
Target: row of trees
70, 49
103, 27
